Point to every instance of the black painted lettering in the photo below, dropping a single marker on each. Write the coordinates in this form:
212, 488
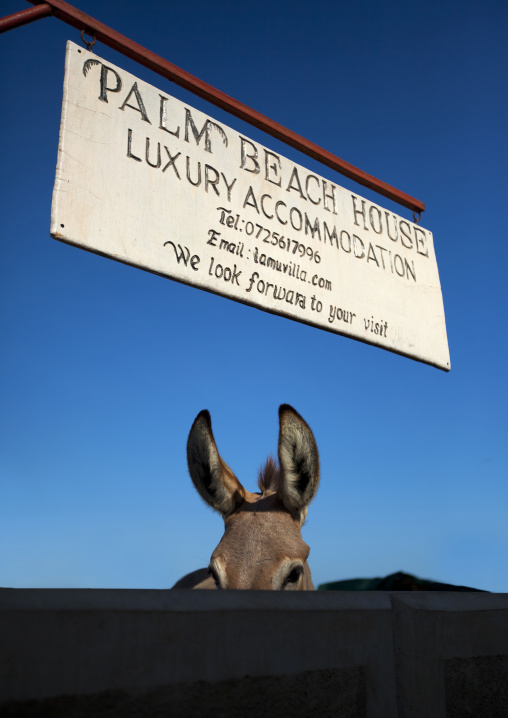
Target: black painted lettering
223, 212
147, 154
206, 131
382, 250
295, 184
272, 168
357, 241
315, 304
235, 276
252, 280
129, 147
376, 221
104, 89
405, 234
277, 205
300, 300
163, 115
313, 229
361, 211
329, 195
198, 181
307, 182
399, 266
183, 254
375, 327
421, 242
252, 157
211, 179
410, 269
387, 215
371, 255
342, 234
341, 315
296, 212
330, 235
229, 187
213, 237
268, 216
250, 200
141, 105
321, 282
171, 161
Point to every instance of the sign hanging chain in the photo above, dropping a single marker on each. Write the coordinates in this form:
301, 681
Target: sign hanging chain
89, 43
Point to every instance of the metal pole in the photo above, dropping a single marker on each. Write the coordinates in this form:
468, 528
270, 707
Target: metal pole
81, 21
24, 17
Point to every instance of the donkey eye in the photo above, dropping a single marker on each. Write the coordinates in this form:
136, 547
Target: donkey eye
212, 572
293, 577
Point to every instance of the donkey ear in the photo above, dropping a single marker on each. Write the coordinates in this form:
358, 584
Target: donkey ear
299, 463
212, 477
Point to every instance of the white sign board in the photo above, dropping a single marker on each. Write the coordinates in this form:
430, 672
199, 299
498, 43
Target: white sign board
148, 180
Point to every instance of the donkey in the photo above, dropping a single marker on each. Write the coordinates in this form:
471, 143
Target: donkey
262, 547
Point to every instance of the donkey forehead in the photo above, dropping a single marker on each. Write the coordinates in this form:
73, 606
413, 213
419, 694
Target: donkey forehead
261, 527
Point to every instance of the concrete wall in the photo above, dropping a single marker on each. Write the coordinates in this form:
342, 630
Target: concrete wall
126, 653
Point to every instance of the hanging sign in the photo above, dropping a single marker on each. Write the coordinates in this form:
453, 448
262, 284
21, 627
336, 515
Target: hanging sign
150, 181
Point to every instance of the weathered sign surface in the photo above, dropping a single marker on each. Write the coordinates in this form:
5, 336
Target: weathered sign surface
150, 181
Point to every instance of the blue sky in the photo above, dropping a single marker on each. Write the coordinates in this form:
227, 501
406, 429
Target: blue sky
104, 367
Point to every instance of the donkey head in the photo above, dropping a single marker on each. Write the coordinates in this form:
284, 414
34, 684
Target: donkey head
262, 547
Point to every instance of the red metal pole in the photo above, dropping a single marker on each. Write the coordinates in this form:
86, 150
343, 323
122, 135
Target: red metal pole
23, 17
71, 15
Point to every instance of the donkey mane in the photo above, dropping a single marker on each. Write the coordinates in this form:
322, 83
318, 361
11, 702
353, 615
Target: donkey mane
268, 476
